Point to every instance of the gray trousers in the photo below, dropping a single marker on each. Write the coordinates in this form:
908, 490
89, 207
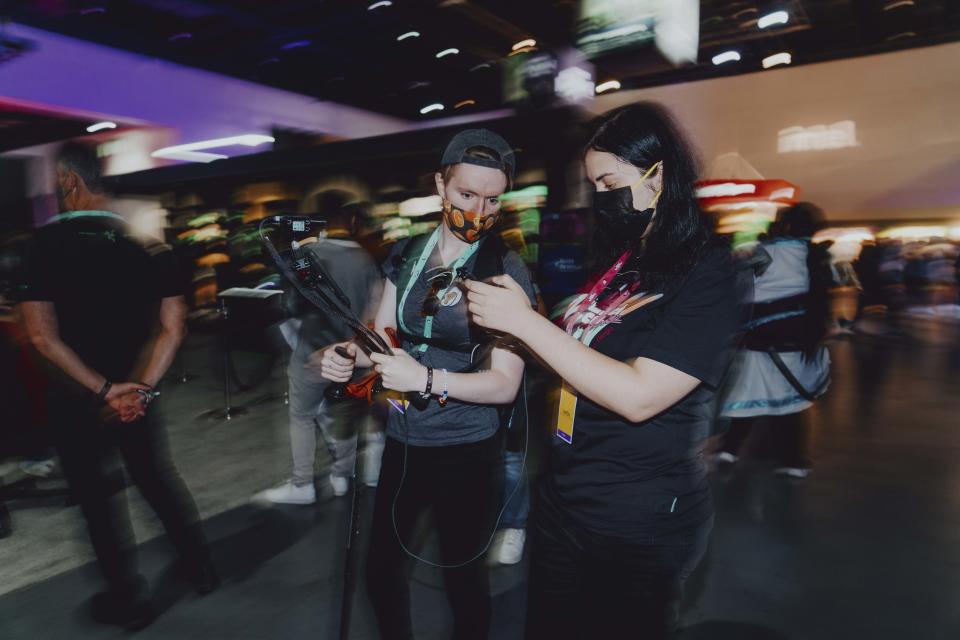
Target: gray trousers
338, 422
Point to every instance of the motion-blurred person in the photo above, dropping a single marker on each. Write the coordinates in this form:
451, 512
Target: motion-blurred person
783, 366
512, 536
24, 427
108, 317
625, 512
355, 272
445, 456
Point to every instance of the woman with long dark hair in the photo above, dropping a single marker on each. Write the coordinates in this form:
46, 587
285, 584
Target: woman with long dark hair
442, 455
624, 513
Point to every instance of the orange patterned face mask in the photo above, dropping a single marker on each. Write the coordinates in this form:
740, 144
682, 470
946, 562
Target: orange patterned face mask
469, 226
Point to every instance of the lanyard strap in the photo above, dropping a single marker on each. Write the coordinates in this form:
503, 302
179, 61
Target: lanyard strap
577, 310
71, 215
415, 274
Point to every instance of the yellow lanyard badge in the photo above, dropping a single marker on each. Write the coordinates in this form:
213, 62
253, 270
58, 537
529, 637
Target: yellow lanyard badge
566, 411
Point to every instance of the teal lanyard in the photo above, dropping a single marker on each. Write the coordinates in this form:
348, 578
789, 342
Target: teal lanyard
71, 215
415, 274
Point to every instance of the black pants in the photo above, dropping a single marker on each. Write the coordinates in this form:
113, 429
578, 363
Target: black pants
88, 452
584, 585
460, 484
782, 439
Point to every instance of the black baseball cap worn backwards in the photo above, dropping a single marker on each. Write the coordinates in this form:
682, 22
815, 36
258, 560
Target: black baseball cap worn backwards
456, 151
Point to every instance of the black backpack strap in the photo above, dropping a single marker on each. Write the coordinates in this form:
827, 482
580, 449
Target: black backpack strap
407, 257
404, 260
785, 371
490, 262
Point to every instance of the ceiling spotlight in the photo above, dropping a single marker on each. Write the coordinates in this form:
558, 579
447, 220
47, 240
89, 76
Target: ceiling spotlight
726, 56
380, 5
524, 44
92, 10
896, 4
100, 126
609, 85
771, 19
464, 103
436, 106
196, 151
408, 34
777, 59
299, 44
901, 35
180, 36
481, 66
448, 52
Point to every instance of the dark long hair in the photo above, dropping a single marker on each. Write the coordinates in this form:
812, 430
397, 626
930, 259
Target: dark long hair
800, 222
643, 134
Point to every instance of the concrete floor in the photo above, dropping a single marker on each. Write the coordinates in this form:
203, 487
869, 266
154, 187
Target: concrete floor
867, 547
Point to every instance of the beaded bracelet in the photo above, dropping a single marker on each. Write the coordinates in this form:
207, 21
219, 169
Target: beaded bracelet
445, 394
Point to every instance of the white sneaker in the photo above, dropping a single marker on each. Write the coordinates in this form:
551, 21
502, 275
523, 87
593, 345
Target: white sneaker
340, 485
792, 472
372, 455
510, 550
289, 493
725, 457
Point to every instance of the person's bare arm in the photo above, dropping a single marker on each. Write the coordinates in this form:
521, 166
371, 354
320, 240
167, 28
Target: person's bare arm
173, 329
43, 329
40, 319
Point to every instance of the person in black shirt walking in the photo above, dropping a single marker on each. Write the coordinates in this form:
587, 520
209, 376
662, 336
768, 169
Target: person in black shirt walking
625, 511
108, 317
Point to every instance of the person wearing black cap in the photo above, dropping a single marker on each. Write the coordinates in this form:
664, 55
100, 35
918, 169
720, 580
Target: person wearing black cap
446, 455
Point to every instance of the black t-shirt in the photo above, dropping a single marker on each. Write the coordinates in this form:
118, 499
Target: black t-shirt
634, 480
106, 288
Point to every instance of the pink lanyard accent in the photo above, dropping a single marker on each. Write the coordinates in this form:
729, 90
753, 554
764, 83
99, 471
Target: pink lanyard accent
584, 305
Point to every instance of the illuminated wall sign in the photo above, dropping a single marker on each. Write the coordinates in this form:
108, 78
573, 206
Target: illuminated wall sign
726, 189
820, 137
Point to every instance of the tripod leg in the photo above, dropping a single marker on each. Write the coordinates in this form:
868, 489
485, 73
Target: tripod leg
356, 501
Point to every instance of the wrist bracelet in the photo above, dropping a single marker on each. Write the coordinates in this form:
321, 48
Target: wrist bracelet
445, 393
426, 392
104, 390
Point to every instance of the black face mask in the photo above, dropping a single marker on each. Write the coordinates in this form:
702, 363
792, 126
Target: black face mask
617, 217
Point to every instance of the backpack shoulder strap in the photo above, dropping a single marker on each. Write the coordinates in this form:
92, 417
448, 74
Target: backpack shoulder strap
408, 255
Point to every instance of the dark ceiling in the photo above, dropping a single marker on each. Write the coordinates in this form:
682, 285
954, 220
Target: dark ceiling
21, 127
339, 50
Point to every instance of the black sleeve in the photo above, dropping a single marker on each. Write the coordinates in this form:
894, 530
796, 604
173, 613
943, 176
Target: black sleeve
697, 333
171, 278
391, 266
39, 269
